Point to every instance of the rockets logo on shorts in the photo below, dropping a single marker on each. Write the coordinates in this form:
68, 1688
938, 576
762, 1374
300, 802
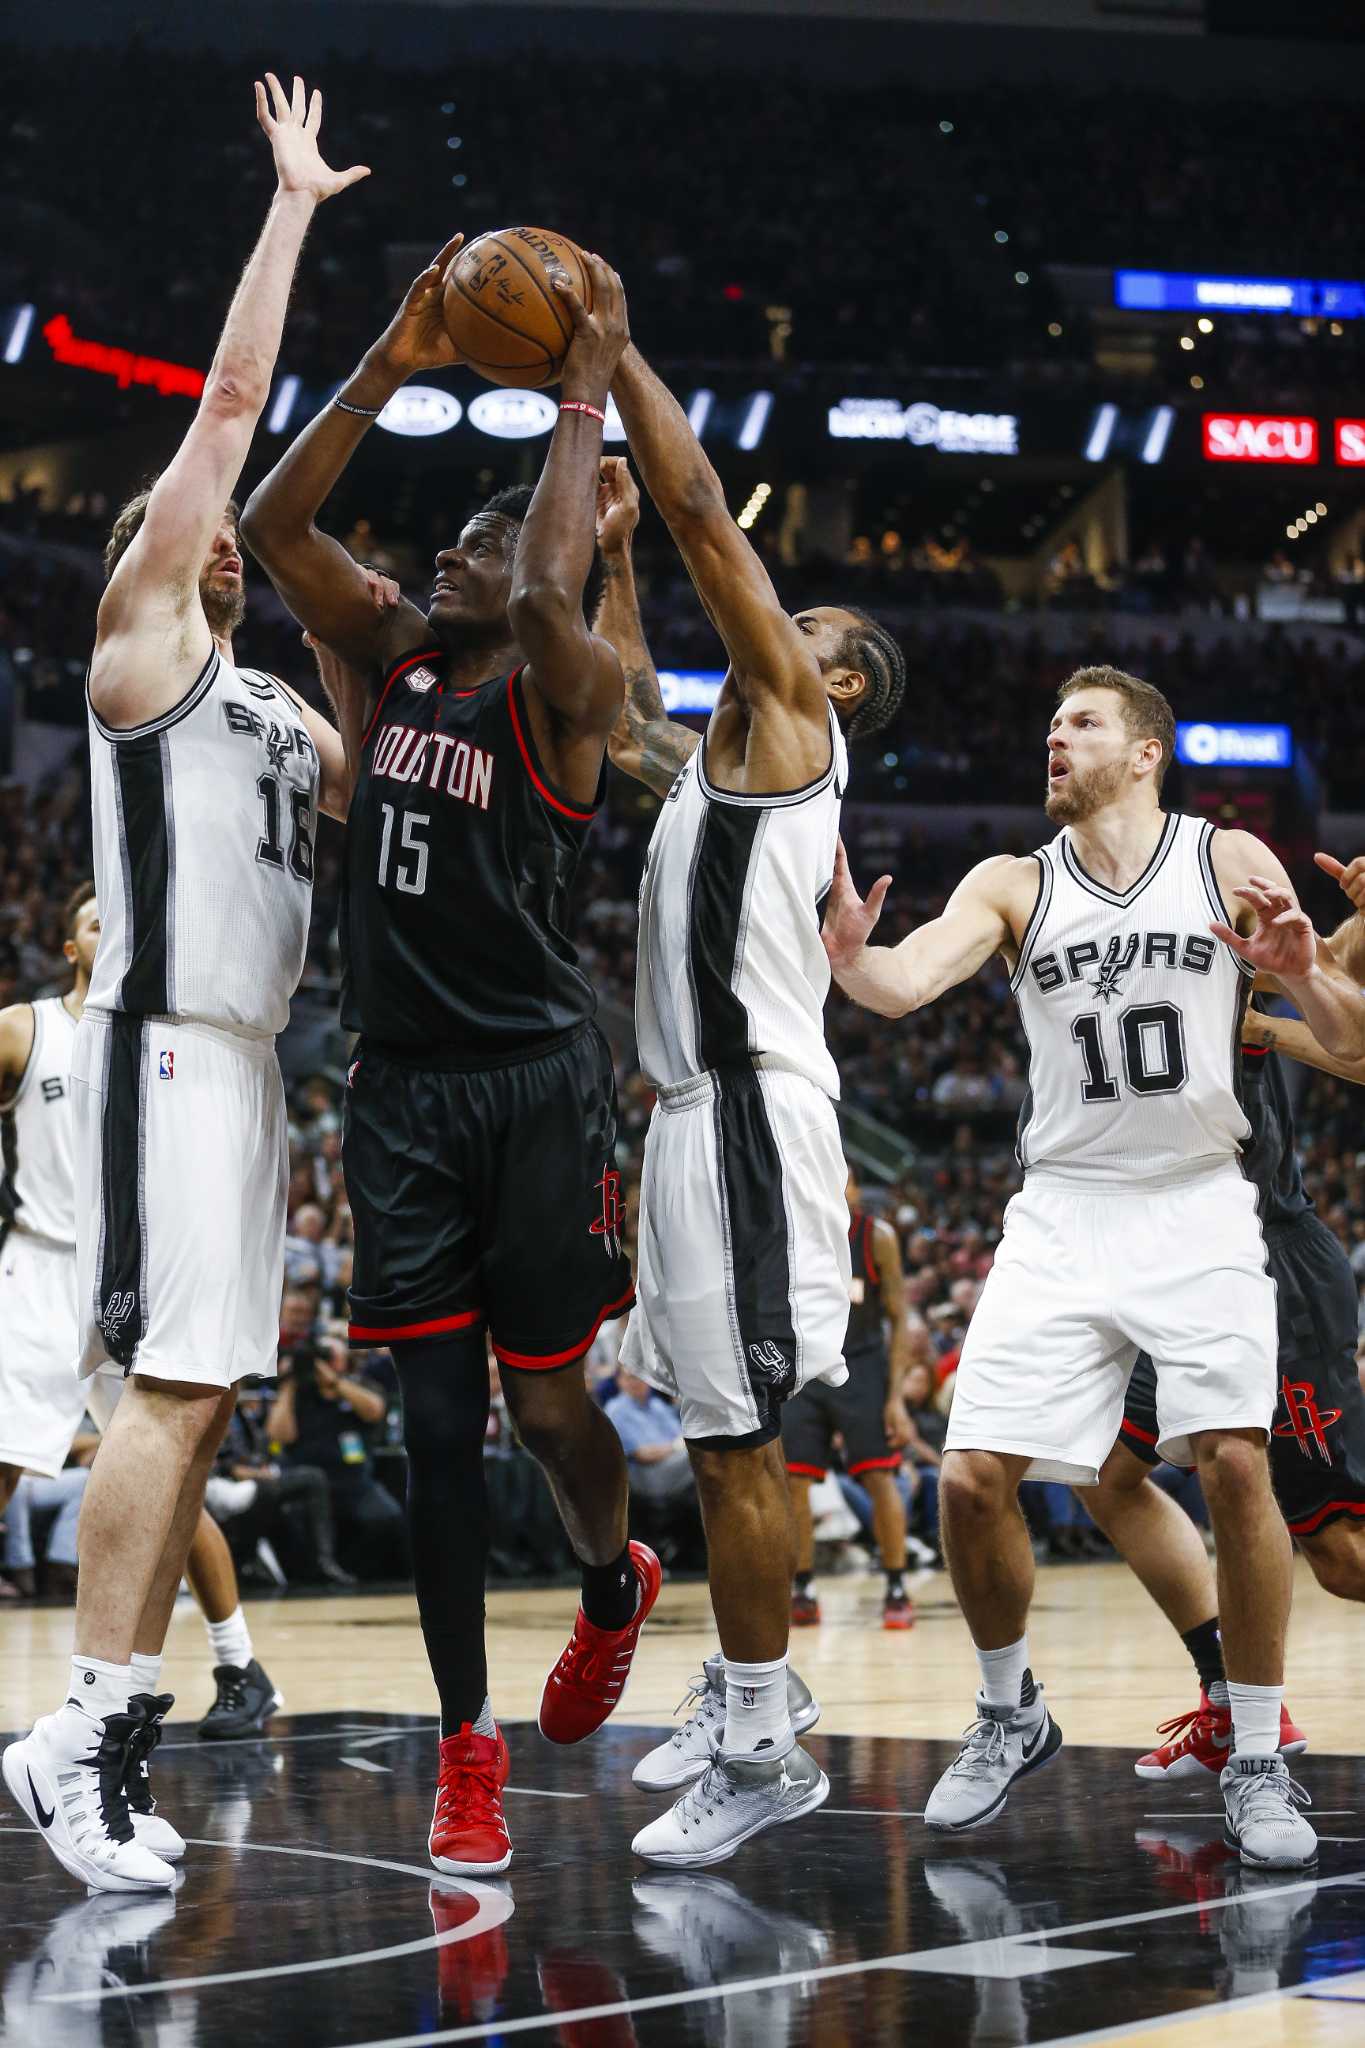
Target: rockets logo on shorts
166, 1070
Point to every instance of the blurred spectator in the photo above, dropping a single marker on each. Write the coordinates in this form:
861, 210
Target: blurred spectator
660, 1469
322, 1416
60, 1499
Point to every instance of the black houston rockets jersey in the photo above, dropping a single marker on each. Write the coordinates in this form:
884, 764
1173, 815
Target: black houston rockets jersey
460, 859
1269, 1159
865, 1330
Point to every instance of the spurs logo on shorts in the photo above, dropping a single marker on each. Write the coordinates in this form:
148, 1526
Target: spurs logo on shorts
772, 1362
117, 1312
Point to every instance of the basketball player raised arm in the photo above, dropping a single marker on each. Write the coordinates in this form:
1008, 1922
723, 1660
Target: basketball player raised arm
572, 678
153, 635
769, 732
646, 742
325, 588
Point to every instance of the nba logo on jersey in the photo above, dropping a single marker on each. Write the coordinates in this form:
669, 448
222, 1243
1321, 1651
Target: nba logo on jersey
167, 1067
420, 679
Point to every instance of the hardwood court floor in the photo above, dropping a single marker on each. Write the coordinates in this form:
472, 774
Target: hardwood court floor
1096, 1907
1112, 1667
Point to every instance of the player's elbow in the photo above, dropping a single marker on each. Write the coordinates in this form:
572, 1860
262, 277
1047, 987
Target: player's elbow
544, 606
235, 393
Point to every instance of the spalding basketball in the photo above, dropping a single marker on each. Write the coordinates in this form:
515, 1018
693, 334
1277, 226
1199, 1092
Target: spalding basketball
502, 311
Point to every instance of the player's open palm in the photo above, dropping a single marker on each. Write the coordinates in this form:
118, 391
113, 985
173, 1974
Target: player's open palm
1283, 942
417, 338
849, 921
291, 123
618, 504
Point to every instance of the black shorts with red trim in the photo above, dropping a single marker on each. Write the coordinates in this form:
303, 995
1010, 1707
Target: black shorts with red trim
487, 1197
855, 1412
1317, 1444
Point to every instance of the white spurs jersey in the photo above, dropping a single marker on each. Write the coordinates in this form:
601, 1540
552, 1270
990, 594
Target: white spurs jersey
38, 1191
730, 963
1133, 1014
204, 822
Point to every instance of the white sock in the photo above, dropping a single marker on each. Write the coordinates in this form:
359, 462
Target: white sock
99, 1689
756, 1717
146, 1672
1255, 1718
486, 1725
1002, 1673
231, 1640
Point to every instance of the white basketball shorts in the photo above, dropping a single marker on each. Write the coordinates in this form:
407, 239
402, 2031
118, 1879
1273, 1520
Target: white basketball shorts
742, 1283
182, 1167
42, 1402
1082, 1282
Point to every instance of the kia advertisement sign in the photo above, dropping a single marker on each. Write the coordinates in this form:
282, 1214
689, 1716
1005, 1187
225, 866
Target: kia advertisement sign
1259, 437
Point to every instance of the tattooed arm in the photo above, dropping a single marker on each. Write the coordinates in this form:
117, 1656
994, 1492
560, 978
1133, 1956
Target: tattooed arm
645, 741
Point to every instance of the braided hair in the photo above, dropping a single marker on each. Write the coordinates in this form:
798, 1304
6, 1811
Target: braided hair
870, 649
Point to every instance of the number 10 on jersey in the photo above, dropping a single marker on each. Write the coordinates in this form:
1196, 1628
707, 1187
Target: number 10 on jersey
1151, 1046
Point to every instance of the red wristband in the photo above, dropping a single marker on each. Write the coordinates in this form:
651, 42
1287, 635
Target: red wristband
581, 405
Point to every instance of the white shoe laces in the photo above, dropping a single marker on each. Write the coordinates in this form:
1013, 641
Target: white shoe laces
983, 1745
707, 1709
703, 1799
1268, 1796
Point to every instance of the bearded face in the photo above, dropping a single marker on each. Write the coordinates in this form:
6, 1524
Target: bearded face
223, 596
1077, 793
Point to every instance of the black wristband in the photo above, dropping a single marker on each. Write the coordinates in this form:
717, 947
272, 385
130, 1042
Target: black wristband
363, 412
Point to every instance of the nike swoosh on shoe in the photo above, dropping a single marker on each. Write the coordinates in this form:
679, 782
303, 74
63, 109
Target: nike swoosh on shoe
45, 1818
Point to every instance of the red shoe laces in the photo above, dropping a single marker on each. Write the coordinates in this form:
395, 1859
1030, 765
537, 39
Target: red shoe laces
1185, 1722
469, 1791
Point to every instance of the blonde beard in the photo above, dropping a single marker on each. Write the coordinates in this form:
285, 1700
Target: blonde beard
1080, 796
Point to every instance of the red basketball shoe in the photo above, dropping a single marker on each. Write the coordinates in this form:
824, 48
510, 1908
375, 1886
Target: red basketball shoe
468, 1833
590, 1676
1202, 1741
805, 1610
898, 1610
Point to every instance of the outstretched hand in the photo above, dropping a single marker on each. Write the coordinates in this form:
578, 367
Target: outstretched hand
1350, 875
600, 338
1284, 943
618, 505
417, 338
291, 125
849, 921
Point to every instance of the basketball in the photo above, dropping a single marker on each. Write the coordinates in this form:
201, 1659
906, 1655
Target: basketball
502, 311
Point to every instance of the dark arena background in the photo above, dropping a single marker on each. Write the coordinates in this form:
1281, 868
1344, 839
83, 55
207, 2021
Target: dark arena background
1036, 327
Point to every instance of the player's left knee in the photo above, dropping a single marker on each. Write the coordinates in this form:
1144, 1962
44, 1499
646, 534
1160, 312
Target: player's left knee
1233, 1469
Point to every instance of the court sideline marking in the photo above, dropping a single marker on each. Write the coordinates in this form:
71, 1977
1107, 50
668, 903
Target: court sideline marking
742, 1987
493, 1908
